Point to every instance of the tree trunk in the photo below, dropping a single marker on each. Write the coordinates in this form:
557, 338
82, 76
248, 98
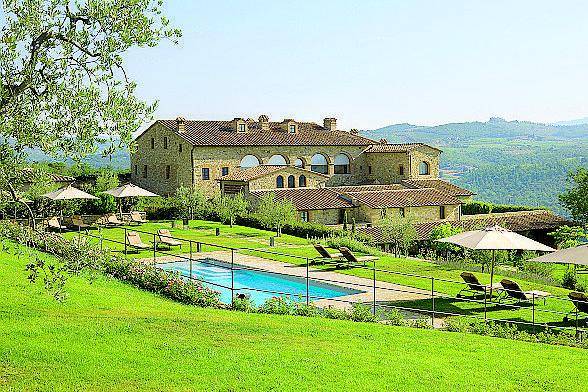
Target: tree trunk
28, 208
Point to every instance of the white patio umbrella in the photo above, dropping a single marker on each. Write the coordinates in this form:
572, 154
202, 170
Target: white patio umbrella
128, 190
68, 193
576, 256
495, 238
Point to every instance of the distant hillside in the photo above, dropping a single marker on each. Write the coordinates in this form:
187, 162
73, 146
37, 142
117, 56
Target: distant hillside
118, 160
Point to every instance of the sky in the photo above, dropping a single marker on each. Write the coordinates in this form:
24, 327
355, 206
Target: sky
370, 63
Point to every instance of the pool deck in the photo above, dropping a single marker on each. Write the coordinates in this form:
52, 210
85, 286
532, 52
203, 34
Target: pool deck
385, 292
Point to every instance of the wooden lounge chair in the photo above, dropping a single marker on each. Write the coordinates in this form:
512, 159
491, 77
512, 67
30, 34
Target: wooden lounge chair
112, 220
580, 301
352, 259
135, 241
77, 222
136, 217
165, 238
325, 254
511, 289
473, 285
54, 224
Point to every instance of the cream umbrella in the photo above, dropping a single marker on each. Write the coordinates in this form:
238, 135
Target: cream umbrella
68, 193
128, 190
576, 256
495, 238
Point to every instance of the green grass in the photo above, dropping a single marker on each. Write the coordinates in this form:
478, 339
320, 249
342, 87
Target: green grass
110, 336
295, 250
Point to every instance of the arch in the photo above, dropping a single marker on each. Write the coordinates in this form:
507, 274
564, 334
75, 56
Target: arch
277, 160
319, 164
279, 182
342, 164
302, 181
424, 168
249, 161
299, 162
291, 181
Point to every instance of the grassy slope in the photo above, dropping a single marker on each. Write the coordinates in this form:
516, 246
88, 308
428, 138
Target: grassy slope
240, 236
110, 336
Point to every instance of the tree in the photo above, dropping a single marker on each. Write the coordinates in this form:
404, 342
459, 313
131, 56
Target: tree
398, 231
443, 231
191, 202
229, 208
274, 214
568, 237
63, 85
575, 198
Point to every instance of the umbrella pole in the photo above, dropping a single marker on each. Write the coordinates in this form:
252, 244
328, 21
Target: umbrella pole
492, 272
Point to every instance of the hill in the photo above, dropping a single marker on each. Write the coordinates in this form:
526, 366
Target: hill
502, 161
110, 336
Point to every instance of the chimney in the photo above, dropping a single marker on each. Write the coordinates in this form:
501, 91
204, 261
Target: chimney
383, 141
330, 124
264, 122
354, 131
181, 124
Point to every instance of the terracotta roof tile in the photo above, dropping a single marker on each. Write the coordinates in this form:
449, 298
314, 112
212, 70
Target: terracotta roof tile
29, 176
366, 188
440, 185
404, 198
220, 133
400, 147
309, 198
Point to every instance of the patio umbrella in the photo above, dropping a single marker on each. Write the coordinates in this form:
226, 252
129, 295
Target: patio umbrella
128, 190
576, 256
68, 193
495, 238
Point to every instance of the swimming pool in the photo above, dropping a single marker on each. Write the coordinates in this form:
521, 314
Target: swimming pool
214, 273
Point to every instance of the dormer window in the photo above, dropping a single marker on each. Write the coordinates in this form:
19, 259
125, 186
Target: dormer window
292, 128
241, 128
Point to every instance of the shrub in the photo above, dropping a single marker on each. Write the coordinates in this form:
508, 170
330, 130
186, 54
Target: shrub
394, 317
278, 305
569, 279
363, 313
334, 313
480, 207
244, 304
352, 243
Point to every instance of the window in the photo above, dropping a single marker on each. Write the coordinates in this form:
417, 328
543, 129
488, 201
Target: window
292, 129
341, 164
299, 163
302, 181
401, 212
277, 160
319, 164
167, 172
144, 171
225, 171
205, 173
152, 143
279, 182
165, 142
249, 161
441, 212
370, 169
180, 147
304, 216
241, 128
291, 182
423, 168
401, 170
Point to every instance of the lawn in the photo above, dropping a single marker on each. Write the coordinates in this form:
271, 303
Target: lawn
108, 335
409, 272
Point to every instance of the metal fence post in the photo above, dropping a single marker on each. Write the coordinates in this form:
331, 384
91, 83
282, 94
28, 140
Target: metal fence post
307, 285
533, 312
433, 301
190, 259
374, 299
125, 240
485, 305
232, 277
154, 247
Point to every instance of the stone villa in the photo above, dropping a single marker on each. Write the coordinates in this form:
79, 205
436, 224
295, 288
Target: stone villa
329, 174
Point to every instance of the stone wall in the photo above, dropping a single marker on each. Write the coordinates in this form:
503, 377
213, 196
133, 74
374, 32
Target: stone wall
269, 181
385, 167
418, 214
424, 154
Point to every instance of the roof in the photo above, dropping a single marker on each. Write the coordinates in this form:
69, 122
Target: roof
29, 176
404, 198
221, 133
440, 185
400, 147
260, 171
365, 188
309, 198
519, 221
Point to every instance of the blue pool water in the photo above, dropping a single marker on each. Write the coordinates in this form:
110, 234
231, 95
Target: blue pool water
215, 274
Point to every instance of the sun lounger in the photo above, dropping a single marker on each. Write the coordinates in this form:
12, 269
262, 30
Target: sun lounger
165, 238
325, 254
54, 224
580, 301
77, 222
112, 220
135, 241
136, 217
473, 285
511, 289
352, 259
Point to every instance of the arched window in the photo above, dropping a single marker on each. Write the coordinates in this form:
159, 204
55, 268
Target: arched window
291, 182
249, 161
342, 164
280, 182
423, 168
277, 160
299, 163
319, 164
302, 181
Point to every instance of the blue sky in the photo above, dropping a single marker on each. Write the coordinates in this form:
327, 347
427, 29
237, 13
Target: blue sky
371, 63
